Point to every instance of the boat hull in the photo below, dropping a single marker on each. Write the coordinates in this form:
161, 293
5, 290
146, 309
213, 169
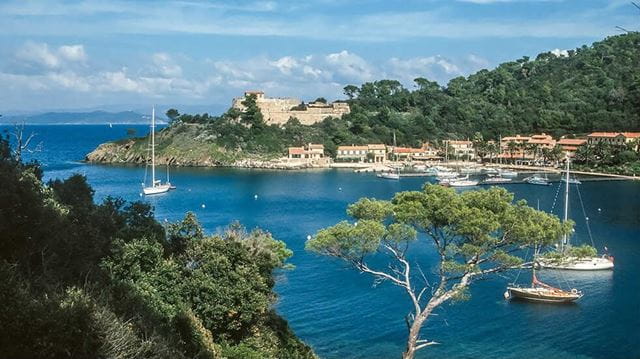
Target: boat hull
390, 176
463, 183
156, 189
542, 295
584, 264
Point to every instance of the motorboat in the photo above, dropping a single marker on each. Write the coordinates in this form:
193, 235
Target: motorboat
537, 180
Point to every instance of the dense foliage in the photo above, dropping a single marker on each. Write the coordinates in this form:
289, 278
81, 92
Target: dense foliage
593, 88
86, 280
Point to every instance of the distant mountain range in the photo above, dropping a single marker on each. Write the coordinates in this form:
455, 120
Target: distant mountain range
94, 117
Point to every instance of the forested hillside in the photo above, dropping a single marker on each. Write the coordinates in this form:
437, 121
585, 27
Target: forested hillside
591, 88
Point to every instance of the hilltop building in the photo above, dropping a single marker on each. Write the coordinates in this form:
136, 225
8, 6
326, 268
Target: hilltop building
280, 110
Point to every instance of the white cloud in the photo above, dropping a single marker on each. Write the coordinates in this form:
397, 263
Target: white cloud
162, 77
38, 54
72, 53
165, 66
350, 67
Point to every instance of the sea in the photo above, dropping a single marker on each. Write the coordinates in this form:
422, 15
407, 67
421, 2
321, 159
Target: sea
343, 314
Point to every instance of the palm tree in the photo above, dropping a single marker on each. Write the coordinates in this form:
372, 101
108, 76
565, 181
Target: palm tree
512, 147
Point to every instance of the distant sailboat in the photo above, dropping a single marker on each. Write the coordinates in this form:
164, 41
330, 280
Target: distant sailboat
156, 186
571, 263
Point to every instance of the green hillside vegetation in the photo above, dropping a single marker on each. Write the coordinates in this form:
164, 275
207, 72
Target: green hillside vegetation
86, 280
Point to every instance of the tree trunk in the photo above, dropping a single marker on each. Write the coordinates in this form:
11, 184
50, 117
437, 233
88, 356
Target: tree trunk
414, 334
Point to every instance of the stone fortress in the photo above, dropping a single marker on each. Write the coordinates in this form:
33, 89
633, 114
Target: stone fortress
280, 110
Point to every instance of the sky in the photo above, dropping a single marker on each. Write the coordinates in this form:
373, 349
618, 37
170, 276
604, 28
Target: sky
70, 55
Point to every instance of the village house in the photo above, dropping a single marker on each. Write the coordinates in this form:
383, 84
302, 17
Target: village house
311, 154
462, 150
374, 153
424, 153
526, 149
571, 145
613, 138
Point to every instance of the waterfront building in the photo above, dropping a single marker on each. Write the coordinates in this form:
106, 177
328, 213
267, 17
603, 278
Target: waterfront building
527, 149
462, 149
280, 110
424, 153
375, 153
613, 138
542, 141
311, 153
571, 145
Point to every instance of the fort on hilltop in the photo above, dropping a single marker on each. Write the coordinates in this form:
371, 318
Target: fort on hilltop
280, 110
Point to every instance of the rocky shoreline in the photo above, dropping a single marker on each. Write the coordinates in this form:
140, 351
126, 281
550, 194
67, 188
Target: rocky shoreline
125, 153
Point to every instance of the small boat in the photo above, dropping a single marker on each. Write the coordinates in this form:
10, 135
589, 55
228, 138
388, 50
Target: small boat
537, 180
490, 170
507, 173
389, 175
541, 292
463, 183
444, 175
491, 180
470, 170
572, 180
420, 168
156, 186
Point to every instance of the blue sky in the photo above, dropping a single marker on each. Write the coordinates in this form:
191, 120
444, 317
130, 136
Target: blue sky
197, 55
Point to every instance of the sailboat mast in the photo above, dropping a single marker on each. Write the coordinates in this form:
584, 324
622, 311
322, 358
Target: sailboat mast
566, 202
153, 147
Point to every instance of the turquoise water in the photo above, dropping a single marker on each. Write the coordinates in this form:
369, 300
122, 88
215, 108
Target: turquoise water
338, 312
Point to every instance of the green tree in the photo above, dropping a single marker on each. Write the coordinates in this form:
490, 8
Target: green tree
475, 233
251, 115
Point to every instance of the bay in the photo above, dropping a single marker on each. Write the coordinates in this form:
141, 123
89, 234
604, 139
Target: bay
338, 311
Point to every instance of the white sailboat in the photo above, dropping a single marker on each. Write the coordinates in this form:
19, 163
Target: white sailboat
156, 186
573, 263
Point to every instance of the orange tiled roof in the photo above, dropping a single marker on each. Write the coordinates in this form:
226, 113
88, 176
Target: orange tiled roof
376, 146
572, 141
631, 134
296, 150
615, 134
348, 148
407, 150
455, 142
